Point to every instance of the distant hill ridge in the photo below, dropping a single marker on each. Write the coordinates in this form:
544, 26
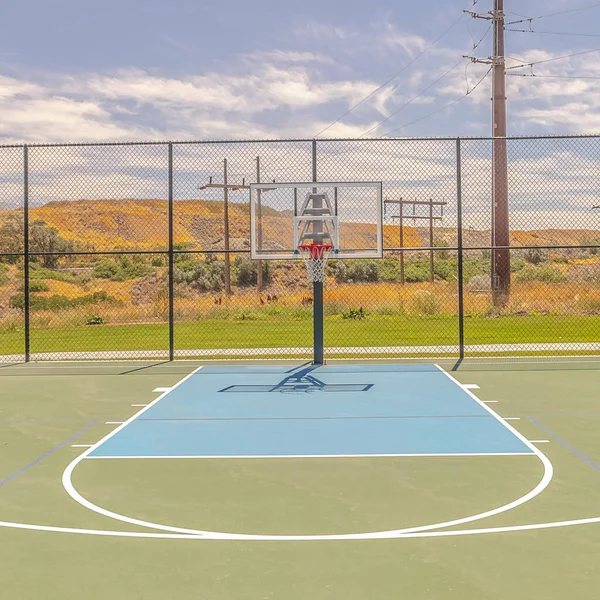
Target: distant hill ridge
143, 224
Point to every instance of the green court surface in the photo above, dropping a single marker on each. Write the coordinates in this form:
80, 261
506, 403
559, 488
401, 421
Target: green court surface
542, 539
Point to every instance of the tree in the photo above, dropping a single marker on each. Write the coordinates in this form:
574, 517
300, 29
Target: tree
41, 239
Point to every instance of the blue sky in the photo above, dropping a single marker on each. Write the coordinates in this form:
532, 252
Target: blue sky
73, 70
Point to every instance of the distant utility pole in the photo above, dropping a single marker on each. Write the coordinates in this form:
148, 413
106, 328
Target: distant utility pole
500, 223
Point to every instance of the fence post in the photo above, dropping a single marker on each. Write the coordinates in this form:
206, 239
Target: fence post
171, 261
26, 305
318, 336
461, 307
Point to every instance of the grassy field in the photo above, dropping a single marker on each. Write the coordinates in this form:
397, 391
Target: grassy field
278, 333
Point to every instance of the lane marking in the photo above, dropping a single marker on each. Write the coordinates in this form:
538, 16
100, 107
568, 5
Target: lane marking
540, 441
162, 389
512, 418
471, 386
490, 401
114, 422
538, 489
39, 459
81, 445
566, 444
238, 456
140, 405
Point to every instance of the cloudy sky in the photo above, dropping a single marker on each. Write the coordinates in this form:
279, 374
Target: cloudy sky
76, 70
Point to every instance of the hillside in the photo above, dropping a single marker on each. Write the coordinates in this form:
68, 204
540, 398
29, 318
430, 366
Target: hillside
143, 224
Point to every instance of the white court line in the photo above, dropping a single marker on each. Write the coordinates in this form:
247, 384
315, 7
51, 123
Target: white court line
489, 401
174, 536
141, 405
114, 422
512, 418
240, 456
470, 386
81, 445
162, 389
540, 487
540, 441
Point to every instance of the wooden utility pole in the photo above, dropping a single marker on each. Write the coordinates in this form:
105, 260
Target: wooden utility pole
430, 217
500, 223
226, 227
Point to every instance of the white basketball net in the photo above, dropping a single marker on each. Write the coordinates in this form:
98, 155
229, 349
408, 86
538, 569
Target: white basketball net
315, 257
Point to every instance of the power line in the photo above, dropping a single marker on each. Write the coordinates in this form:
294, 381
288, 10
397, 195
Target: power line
553, 76
541, 62
453, 103
392, 78
554, 14
413, 98
554, 32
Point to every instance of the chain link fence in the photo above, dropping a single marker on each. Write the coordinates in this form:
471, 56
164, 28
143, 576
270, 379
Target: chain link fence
142, 251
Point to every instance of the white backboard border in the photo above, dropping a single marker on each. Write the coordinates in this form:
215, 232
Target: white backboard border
365, 253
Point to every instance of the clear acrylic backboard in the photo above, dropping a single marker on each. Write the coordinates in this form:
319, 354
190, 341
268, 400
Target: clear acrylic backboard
347, 215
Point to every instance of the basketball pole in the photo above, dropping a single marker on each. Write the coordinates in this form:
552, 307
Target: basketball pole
318, 336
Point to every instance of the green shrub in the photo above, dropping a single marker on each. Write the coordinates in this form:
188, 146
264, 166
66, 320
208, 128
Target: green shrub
157, 261
121, 269
535, 256
541, 274
356, 314
38, 272
357, 271
95, 320
35, 285
425, 303
206, 276
247, 271
442, 254
58, 302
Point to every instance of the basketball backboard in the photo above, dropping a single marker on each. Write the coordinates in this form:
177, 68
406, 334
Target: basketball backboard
347, 215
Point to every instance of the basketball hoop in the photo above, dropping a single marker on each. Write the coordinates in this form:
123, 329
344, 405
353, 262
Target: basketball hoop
315, 257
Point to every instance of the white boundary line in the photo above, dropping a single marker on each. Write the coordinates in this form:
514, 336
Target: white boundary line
275, 456
538, 489
172, 536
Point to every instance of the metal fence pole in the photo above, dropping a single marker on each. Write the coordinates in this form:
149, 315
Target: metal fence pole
26, 305
461, 306
226, 228
318, 335
171, 261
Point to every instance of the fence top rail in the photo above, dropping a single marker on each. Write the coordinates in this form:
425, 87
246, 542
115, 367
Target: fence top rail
300, 140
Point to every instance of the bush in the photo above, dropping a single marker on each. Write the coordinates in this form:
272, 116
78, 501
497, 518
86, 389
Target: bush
36, 285
57, 302
122, 269
356, 314
38, 272
95, 320
535, 256
357, 271
479, 283
207, 276
442, 254
425, 303
541, 274
247, 271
